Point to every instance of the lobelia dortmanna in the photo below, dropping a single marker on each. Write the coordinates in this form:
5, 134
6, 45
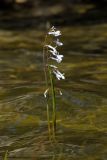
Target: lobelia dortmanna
51, 59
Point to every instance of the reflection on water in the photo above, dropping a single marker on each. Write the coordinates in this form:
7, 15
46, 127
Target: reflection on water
82, 109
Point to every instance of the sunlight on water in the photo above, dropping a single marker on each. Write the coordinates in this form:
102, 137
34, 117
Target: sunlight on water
82, 109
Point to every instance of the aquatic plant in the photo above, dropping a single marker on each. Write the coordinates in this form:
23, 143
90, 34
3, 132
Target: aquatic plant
5, 156
51, 57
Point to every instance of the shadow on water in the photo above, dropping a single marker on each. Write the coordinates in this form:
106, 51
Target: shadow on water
82, 109
66, 14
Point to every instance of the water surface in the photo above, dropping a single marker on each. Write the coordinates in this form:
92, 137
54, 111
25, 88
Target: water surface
81, 110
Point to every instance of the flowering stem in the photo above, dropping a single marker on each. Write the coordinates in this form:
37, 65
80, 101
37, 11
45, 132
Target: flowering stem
46, 81
50, 53
53, 102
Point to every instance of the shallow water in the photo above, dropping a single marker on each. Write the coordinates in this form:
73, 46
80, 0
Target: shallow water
81, 110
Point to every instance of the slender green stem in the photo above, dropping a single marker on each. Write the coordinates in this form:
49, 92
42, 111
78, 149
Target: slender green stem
45, 61
48, 119
53, 102
47, 70
5, 156
46, 81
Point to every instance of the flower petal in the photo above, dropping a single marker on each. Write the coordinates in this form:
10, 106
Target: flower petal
57, 58
58, 43
45, 93
53, 49
53, 32
58, 74
53, 66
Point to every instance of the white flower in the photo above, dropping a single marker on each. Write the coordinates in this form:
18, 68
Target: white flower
58, 74
60, 92
53, 49
53, 32
57, 58
53, 66
45, 93
58, 43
